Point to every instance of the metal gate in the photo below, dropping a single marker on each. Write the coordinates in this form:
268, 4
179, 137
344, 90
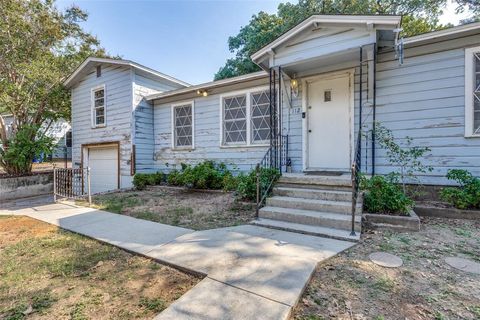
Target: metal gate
71, 183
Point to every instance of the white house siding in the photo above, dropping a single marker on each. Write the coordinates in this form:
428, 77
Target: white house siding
143, 120
118, 87
425, 99
207, 139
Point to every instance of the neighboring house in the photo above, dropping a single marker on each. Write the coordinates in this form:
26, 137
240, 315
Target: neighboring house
337, 74
60, 132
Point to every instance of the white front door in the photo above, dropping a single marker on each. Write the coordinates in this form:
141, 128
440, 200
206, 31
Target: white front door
329, 124
103, 163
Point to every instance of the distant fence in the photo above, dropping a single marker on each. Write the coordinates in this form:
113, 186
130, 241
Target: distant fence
72, 183
17, 187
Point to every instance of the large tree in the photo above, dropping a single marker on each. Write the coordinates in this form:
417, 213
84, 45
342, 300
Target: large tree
39, 47
419, 16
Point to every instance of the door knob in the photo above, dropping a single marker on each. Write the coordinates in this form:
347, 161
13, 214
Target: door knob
309, 131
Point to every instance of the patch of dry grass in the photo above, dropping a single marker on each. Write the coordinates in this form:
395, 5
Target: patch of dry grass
198, 210
349, 286
47, 273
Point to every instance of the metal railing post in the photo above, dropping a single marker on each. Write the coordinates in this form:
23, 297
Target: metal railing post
257, 170
88, 187
54, 184
354, 197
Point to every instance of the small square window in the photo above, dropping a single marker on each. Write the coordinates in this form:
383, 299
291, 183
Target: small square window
327, 95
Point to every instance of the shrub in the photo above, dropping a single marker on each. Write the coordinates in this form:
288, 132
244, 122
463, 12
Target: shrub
383, 194
142, 180
174, 178
17, 154
205, 175
467, 195
247, 183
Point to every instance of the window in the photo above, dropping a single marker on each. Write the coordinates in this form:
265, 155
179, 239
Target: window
68, 139
182, 119
472, 92
99, 71
235, 120
246, 118
260, 117
98, 107
327, 95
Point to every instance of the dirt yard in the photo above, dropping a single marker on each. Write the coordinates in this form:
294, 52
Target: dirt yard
47, 273
198, 210
349, 286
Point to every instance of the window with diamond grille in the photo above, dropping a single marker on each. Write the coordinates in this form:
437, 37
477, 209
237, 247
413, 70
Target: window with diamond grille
99, 107
235, 120
476, 94
183, 131
260, 116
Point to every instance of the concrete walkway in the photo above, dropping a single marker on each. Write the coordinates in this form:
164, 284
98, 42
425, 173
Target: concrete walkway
250, 272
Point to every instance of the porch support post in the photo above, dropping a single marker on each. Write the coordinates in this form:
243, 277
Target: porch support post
374, 101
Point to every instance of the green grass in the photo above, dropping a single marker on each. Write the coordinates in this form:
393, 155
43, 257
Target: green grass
152, 304
384, 284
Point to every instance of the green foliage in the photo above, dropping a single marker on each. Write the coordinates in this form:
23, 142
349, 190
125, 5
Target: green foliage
247, 183
405, 158
205, 175
40, 46
418, 17
22, 148
142, 180
383, 194
152, 304
467, 195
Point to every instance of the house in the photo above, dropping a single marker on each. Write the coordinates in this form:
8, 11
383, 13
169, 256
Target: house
311, 109
59, 131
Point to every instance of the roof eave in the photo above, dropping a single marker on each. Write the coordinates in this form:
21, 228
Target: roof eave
70, 80
392, 21
208, 85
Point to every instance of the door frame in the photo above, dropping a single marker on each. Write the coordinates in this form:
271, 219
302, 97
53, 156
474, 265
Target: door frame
350, 73
84, 154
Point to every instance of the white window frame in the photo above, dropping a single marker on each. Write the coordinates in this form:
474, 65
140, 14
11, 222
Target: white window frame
247, 93
469, 89
172, 111
93, 109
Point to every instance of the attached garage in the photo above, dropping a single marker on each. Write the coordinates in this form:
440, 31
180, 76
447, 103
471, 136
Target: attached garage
104, 166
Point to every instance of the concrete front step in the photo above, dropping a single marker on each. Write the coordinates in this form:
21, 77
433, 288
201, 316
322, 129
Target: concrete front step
316, 194
312, 218
308, 229
344, 207
343, 181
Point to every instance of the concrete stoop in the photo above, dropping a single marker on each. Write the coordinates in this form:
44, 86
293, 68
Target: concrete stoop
312, 204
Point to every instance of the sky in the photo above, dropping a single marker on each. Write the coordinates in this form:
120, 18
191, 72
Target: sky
186, 39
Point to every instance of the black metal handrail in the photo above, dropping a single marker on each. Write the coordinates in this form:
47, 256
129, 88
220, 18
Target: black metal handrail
356, 178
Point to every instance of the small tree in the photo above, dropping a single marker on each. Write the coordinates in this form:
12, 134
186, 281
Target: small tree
39, 47
407, 158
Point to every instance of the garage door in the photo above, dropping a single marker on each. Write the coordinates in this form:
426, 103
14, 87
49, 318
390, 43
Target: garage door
103, 163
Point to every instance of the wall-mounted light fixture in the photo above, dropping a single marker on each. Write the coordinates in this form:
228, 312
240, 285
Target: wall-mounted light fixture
202, 93
294, 85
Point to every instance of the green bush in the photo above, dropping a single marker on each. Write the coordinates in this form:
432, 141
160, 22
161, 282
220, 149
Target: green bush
205, 175
142, 180
17, 154
247, 183
174, 178
383, 194
467, 195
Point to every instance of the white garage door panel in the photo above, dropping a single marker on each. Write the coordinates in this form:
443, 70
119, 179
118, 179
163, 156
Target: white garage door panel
103, 164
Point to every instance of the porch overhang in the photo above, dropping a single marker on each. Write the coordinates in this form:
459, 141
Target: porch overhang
325, 37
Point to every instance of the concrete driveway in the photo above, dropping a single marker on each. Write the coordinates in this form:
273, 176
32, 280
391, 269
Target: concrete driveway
250, 272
